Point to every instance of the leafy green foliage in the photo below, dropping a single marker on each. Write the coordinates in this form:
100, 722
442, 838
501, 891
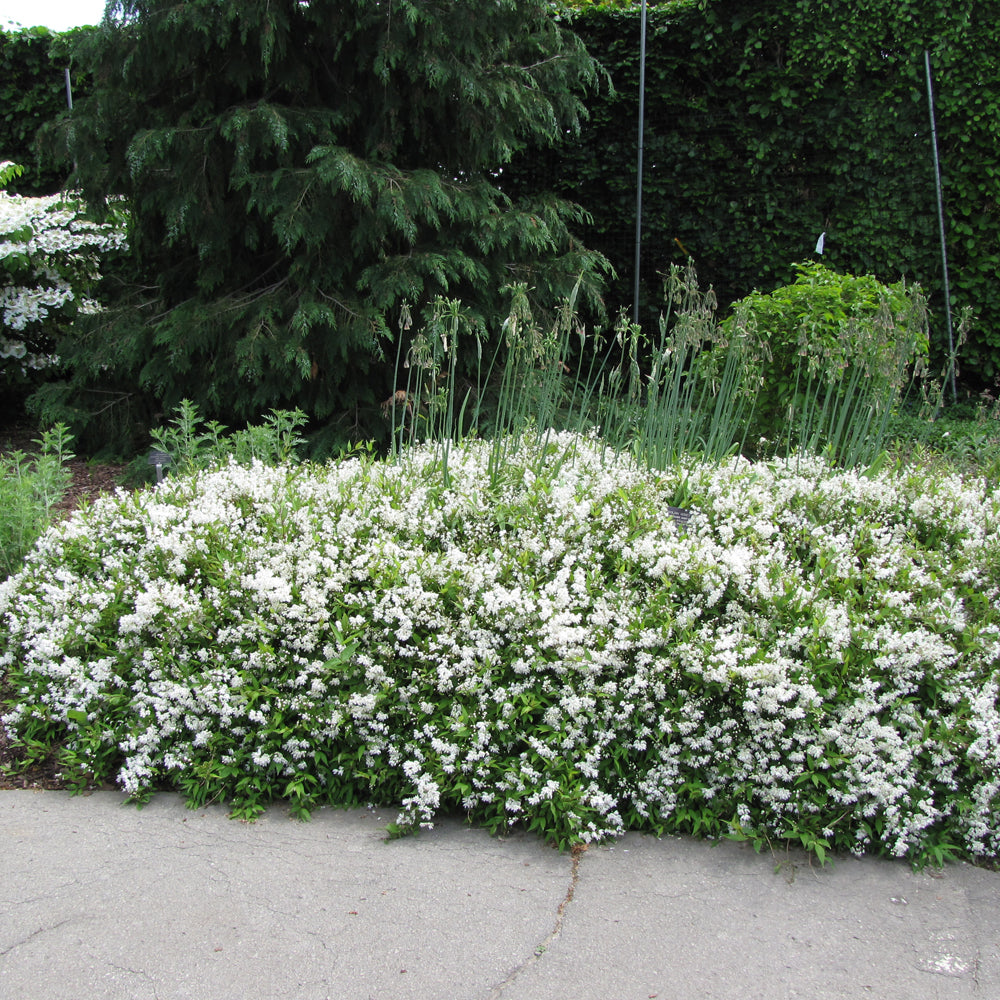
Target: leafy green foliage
964, 438
190, 445
295, 172
840, 350
9, 172
30, 486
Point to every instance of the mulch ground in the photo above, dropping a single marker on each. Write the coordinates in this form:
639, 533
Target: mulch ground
89, 480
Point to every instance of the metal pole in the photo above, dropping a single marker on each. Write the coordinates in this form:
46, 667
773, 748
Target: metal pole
638, 183
940, 208
69, 102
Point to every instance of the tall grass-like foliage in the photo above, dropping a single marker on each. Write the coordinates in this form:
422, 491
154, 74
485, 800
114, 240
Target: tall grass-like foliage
699, 390
520, 395
818, 367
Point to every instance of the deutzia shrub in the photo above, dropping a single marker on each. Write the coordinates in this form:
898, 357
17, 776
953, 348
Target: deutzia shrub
814, 656
49, 260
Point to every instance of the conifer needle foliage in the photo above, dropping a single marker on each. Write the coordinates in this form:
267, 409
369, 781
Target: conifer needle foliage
297, 170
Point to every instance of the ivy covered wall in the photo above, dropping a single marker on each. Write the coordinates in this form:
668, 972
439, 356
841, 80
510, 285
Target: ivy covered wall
769, 122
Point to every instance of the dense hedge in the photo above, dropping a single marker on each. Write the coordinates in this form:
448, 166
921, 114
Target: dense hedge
32, 92
769, 122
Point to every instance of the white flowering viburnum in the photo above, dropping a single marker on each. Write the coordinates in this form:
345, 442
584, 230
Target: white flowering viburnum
50, 254
815, 655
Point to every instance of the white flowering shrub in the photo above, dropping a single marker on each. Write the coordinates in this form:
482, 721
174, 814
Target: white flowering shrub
814, 656
49, 261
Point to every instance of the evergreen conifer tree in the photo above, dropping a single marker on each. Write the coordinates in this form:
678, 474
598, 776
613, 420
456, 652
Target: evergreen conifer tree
297, 169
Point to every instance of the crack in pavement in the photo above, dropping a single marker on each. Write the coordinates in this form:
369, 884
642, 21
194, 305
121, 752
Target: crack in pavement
54, 892
142, 973
576, 853
32, 935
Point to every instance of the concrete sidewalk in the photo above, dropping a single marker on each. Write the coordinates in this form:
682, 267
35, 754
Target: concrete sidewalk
99, 900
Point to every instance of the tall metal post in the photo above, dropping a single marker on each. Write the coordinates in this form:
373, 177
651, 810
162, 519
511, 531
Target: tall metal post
940, 208
69, 104
638, 183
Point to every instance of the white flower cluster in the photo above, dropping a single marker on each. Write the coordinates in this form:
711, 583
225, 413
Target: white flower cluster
49, 254
547, 646
23, 306
50, 226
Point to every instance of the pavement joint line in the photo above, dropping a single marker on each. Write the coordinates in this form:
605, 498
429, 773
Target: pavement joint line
576, 853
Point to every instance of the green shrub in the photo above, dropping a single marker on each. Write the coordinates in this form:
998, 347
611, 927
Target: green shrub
30, 486
841, 348
192, 444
